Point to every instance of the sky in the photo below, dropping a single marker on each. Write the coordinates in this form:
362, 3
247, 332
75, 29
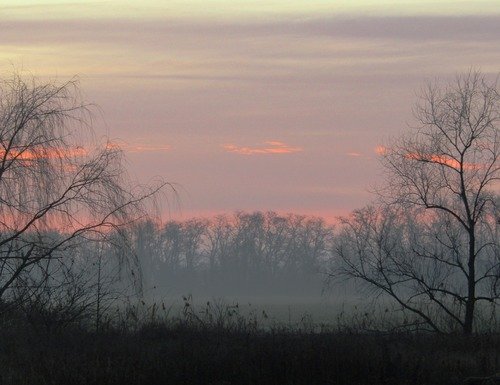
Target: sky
252, 104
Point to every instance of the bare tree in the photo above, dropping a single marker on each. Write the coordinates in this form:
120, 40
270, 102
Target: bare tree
193, 236
57, 188
445, 175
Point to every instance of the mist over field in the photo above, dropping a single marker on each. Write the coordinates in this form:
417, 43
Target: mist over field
262, 262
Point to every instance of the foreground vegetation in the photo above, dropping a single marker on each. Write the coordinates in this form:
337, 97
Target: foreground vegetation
216, 345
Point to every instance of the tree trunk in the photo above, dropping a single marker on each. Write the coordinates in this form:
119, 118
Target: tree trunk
471, 285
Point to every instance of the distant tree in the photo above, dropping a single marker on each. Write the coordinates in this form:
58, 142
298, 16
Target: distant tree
58, 190
171, 247
147, 246
193, 236
437, 240
220, 244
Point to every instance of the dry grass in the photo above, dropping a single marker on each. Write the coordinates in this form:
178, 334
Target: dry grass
215, 345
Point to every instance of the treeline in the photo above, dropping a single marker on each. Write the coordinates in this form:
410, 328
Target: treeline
243, 254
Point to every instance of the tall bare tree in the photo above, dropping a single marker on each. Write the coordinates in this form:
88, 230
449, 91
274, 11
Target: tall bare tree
446, 174
58, 188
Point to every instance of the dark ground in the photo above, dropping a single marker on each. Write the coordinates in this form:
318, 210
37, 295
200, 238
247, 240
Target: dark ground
189, 352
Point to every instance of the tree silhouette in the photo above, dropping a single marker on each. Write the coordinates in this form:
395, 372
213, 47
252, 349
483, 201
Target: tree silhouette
437, 241
58, 188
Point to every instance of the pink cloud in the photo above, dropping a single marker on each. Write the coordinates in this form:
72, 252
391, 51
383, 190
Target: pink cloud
269, 147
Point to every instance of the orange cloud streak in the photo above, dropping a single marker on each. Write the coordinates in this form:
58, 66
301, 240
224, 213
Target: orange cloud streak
381, 150
443, 160
269, 147
434, 158
31, 155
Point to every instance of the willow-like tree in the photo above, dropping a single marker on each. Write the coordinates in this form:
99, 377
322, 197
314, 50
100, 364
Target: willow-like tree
434, 248
59, 188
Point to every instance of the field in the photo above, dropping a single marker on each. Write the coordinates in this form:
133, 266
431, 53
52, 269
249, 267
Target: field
219, 343
272, 310
314, 313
